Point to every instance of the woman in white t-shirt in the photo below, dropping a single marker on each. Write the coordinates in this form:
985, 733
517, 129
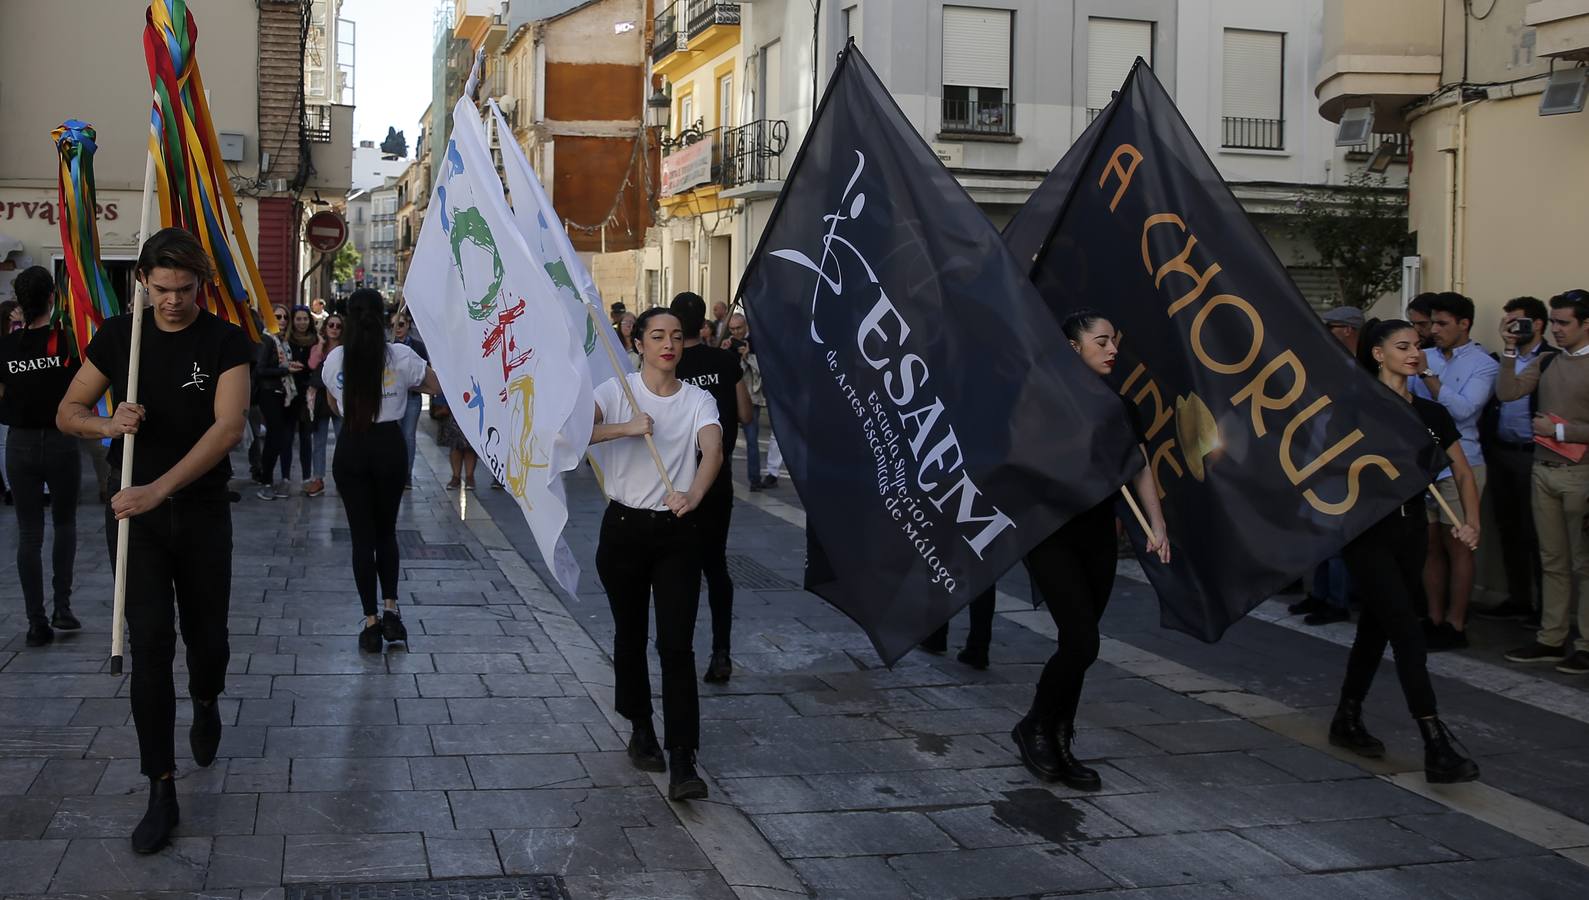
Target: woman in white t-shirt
368, 381
648, 543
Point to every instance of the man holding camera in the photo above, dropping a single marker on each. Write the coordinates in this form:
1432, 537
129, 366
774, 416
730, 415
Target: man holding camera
1508, 431
1560, 479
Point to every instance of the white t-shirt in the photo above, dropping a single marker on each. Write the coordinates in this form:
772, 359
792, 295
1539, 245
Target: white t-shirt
631, 476
405, 370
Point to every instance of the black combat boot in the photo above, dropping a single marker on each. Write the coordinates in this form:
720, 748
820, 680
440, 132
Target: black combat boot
1348, 733
1071, 772
1442, 764
644, 751
1036, 747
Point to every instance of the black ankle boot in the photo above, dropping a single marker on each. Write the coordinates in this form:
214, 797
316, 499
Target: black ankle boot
975, 656
1071, 772
1347, 731
683, 781
644, 751
155, 830
204, 735
1036, 746
1442, 764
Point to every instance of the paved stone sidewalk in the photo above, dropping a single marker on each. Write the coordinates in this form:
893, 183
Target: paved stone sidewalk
488, 747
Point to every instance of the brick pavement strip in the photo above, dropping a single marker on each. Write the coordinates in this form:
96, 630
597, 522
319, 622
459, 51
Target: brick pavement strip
488, 746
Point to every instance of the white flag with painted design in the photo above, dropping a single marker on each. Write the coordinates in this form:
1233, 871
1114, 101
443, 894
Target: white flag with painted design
512, 368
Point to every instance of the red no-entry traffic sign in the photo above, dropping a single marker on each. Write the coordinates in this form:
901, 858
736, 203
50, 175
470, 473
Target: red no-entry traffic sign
326, 232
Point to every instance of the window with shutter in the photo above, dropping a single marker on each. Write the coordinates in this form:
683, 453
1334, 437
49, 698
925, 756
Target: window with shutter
1113, 45
1254, 85
976, 70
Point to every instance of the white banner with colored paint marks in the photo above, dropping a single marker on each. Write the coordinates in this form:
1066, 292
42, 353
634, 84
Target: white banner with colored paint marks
512, 368
543, 231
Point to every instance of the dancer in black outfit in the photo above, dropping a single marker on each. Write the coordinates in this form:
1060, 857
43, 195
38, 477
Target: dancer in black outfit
719, 373
32, 382
1074, 571
192, 402
1386, 562
368, 381
650, 545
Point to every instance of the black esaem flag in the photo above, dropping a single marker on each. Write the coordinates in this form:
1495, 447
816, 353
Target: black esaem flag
1271, 447
933, 420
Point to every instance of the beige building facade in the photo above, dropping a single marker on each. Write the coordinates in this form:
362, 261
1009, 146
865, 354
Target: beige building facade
1496, 189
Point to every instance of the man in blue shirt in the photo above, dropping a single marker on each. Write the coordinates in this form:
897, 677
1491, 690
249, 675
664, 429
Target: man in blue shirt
1459, 375
1509, 451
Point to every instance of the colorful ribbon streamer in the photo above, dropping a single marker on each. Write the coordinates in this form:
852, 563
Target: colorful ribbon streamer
86, 293
195, 192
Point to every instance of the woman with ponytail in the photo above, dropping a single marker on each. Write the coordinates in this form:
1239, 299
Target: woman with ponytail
1386, 564
368, 380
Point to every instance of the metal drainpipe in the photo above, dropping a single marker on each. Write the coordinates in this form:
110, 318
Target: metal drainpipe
1459, 190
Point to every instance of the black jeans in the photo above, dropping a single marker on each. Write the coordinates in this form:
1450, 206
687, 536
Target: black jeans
279, 430
1511, 481
711, 521
181, 550
1074, 570
643, 554
370, 468
980, 634
36, 457
1386, 565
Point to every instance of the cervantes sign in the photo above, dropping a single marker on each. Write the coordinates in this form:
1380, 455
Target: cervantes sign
49, 210
684, 169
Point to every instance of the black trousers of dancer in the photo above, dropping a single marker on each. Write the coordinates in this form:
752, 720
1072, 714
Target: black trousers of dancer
980, 633
36, 457
181, 552
279, 430
1386, 565
370, 468
712, 521
1074, 570
1511, 476
644, 554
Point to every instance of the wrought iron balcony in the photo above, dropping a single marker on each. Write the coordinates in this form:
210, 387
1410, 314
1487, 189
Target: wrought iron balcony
688, 18
977, 117
317, 123
754, 153
1398, 143
1242, 133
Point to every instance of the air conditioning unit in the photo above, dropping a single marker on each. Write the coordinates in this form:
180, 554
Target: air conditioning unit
681, 40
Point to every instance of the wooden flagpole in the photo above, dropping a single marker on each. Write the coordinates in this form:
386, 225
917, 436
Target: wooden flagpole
1137, 510
118, 616
1446, 507
628, 392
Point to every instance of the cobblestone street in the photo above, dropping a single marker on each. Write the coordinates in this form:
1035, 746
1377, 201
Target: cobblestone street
489, 747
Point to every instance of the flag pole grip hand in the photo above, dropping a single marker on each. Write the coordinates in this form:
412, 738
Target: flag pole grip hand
628, 392
1450, 513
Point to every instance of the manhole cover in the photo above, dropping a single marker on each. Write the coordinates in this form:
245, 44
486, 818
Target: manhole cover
413, 545
748, 573
517, 887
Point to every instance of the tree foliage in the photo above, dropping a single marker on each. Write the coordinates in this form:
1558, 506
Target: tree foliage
344, 264
1359, 232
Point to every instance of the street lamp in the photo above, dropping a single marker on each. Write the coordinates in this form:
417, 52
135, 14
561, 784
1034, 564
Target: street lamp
659, 111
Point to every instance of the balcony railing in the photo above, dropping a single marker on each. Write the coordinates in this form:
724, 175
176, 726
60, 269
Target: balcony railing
1093, 114
317, 123
978, 117
1398, 143
1242, 133
690, 17
754, 152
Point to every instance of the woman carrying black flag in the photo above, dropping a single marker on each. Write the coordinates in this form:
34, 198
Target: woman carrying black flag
1386, 563
650, 545
1074, 570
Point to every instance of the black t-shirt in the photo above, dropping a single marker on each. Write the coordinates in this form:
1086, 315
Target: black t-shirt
35, 379
1442, 434
177, 378
718, 373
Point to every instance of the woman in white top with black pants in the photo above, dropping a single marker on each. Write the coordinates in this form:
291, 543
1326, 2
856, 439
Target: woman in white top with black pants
648, 544
368, 381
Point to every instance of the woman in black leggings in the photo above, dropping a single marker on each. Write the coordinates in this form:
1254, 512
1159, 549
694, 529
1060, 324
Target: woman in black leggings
1386, 564
1074, 571
369, 380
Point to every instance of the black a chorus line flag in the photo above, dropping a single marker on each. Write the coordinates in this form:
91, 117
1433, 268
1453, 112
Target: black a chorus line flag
1271, 447
930, 424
